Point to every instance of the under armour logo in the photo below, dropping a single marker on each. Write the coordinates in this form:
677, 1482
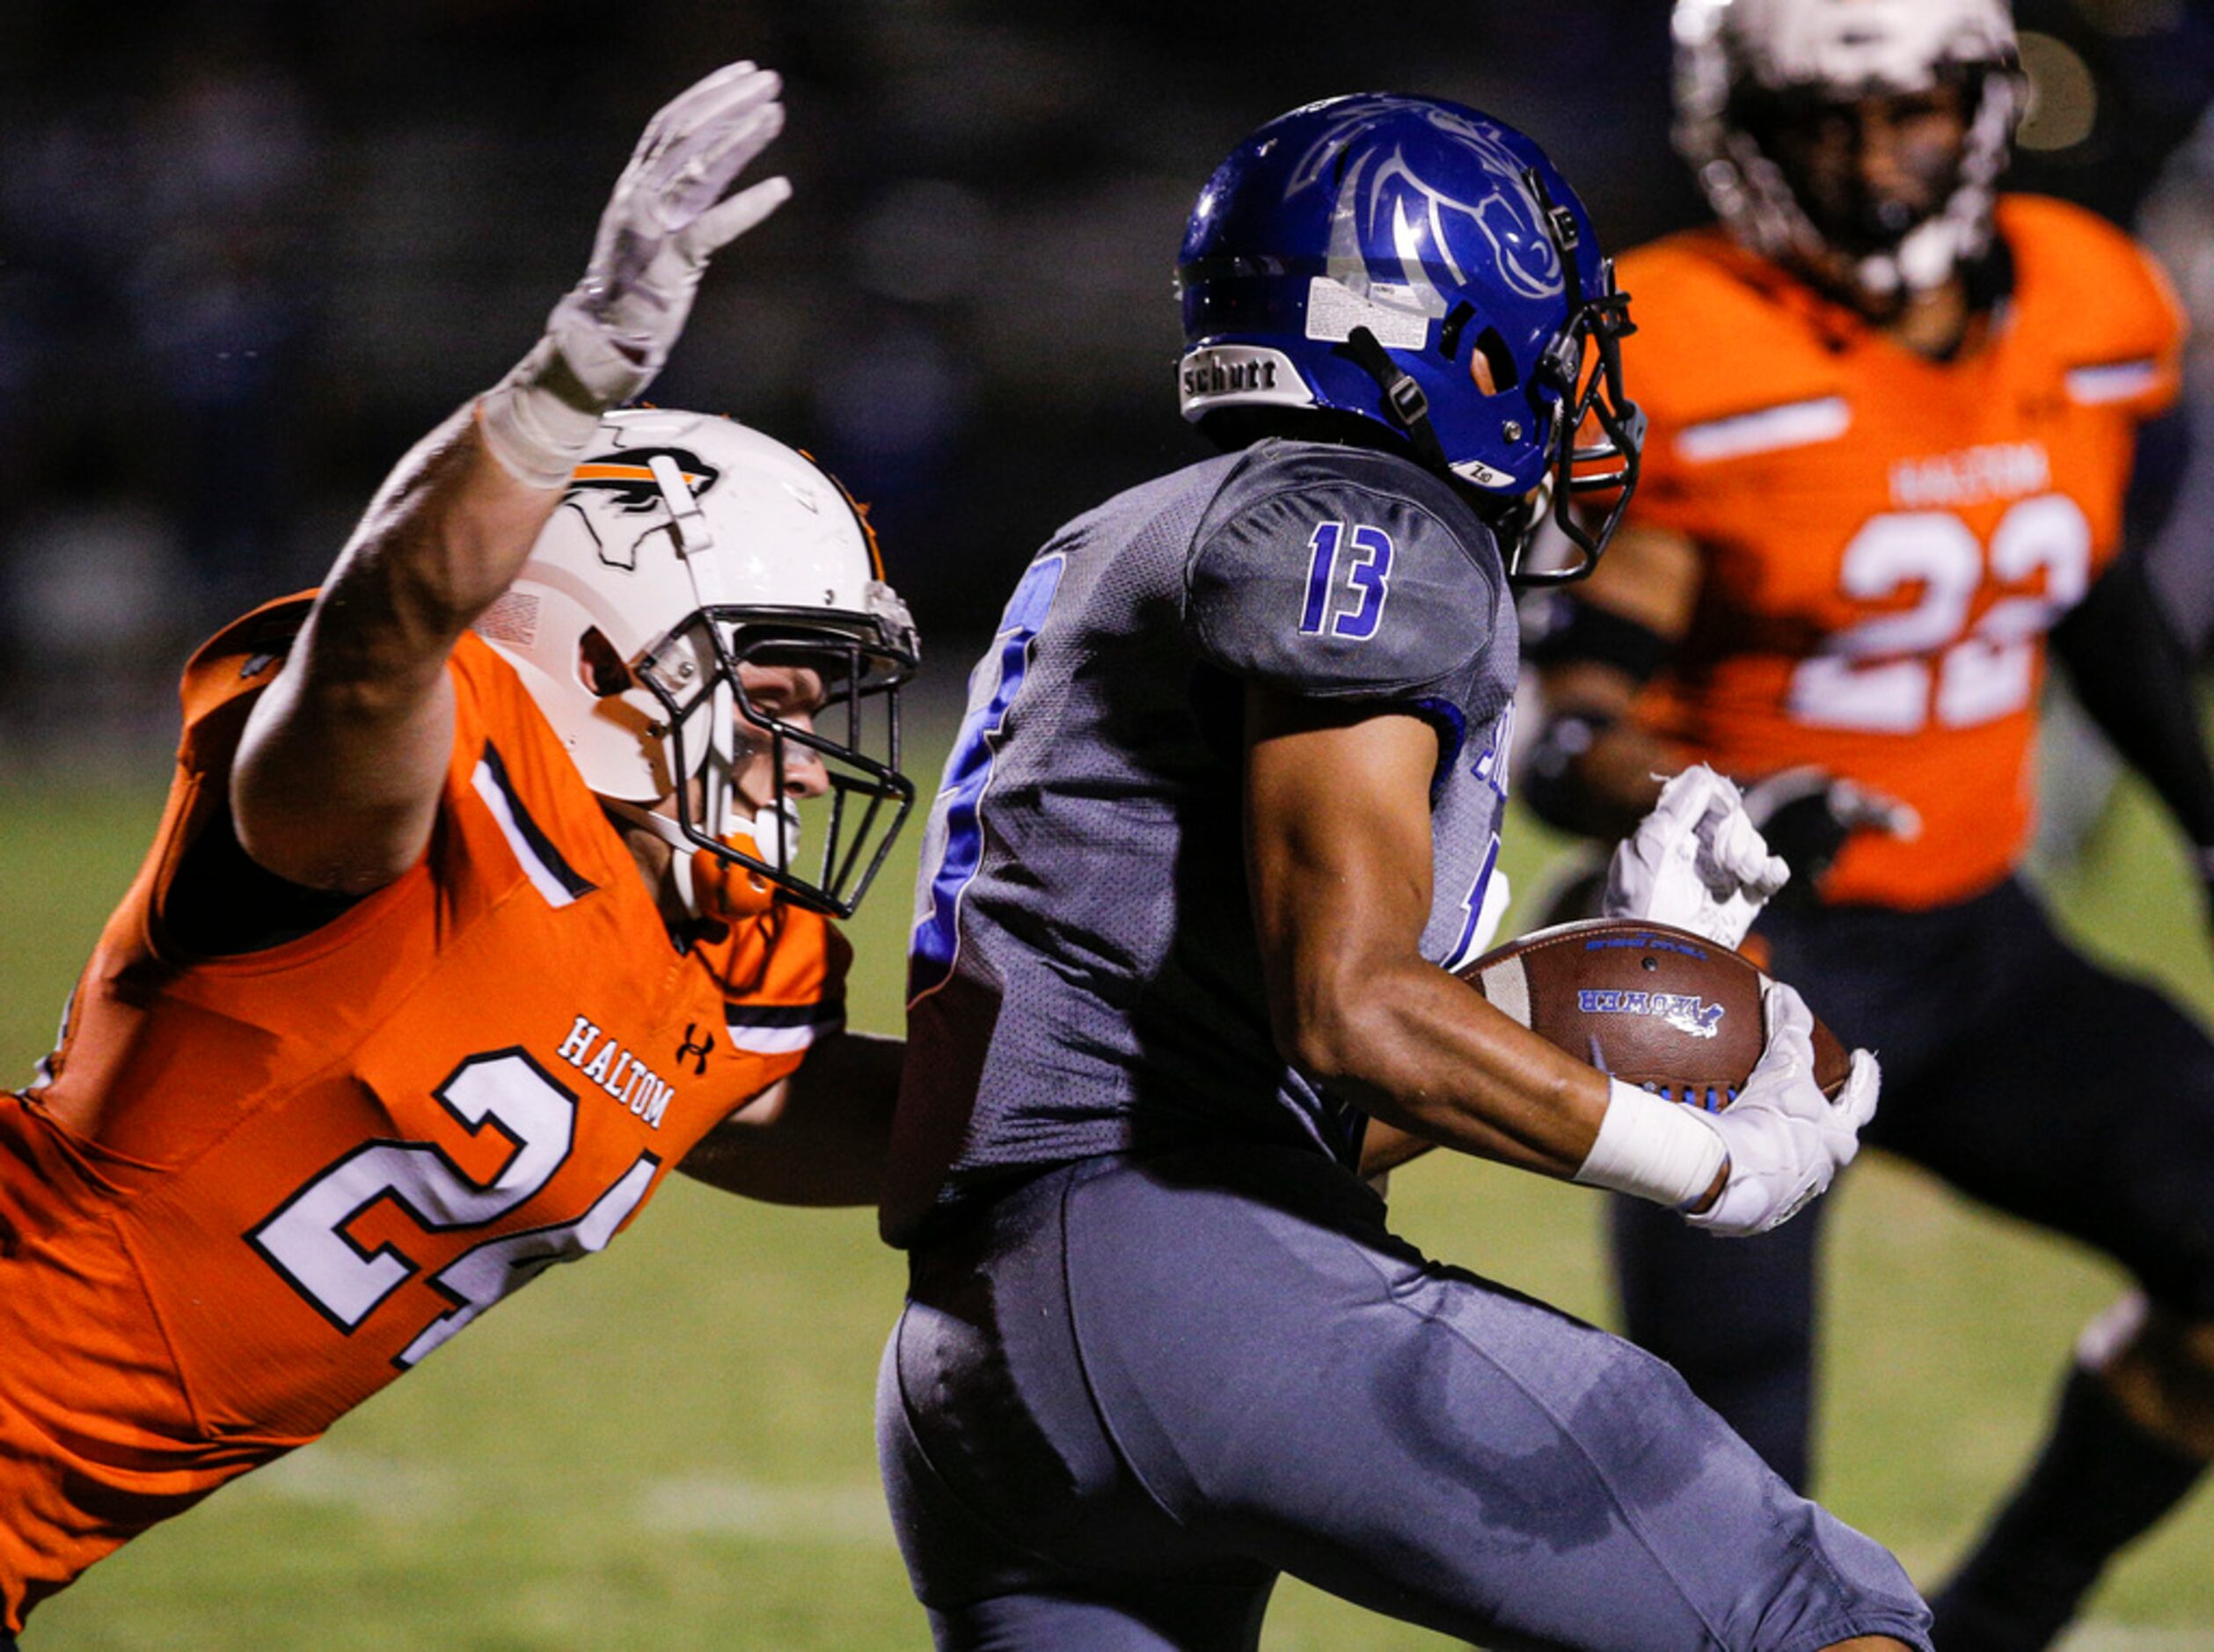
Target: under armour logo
695, 1052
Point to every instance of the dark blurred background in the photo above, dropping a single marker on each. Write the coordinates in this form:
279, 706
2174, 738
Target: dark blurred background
250, 250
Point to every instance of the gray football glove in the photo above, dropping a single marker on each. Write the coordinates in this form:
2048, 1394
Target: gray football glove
613, 331
665, 220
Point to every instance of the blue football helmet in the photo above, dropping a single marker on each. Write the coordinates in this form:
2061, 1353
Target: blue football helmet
1369, 255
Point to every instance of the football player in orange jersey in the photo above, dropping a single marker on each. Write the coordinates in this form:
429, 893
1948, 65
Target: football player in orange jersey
1892, 421
480, 900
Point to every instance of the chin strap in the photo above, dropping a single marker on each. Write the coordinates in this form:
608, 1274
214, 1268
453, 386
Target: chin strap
1403, 397
1410, 409
684, 850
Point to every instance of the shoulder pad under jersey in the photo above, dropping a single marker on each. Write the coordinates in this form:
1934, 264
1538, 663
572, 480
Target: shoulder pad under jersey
1342, 573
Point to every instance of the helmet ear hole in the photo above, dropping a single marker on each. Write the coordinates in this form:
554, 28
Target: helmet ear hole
1497, 361
599, 667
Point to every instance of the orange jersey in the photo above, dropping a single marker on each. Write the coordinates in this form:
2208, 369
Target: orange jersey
1885, 540
248, 1192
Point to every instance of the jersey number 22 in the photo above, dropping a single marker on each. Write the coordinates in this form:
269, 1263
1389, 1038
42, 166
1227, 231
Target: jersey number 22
1893, 674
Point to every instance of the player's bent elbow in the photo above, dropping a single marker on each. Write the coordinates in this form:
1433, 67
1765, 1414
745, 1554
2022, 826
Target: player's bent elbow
1330, 1032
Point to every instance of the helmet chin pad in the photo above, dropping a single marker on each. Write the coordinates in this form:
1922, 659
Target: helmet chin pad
711, 886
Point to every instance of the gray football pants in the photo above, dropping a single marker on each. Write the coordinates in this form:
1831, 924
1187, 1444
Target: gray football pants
1131, 1394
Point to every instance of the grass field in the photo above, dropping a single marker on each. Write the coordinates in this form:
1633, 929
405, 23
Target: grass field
671, 1447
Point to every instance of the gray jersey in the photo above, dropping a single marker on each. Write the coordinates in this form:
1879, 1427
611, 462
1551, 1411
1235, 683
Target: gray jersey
1085, 977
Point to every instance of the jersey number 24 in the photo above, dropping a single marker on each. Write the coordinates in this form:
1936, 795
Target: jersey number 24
505, 1094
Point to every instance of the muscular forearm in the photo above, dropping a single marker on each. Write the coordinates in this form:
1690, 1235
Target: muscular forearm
819, 1138
1438, 1066
1426, 1055
337, 777
449, 529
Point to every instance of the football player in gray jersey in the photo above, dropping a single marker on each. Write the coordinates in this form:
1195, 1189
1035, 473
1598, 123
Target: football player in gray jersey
1221, 819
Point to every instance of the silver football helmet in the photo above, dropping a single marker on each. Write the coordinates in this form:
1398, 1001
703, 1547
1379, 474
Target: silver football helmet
1733, 57
685, 547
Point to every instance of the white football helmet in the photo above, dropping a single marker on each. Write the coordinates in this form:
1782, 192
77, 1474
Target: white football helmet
1733, 56
685, 545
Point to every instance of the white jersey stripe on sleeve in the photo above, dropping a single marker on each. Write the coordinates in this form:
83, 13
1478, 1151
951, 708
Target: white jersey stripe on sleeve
548, 874
780, 1029
1796, 424
2112, 381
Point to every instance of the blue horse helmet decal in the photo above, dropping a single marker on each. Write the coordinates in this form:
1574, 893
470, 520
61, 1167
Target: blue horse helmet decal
1428, 221
1428, 228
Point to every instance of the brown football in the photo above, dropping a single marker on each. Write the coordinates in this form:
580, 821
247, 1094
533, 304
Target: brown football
1654, 1006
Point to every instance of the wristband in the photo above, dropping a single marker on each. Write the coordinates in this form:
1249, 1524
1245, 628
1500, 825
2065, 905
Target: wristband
1656, 1150
1565, 629
539, 420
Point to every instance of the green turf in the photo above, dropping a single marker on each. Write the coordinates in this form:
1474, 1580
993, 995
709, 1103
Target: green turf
671, 1447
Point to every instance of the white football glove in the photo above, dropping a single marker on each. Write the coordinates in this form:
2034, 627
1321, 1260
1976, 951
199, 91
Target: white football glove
613, 331
1785, 1138
1695, 861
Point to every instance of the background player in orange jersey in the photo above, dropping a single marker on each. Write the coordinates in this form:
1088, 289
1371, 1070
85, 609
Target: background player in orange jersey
452, 941
1892, 421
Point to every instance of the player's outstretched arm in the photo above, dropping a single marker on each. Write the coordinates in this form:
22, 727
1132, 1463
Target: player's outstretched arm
337, 777
820, 1137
